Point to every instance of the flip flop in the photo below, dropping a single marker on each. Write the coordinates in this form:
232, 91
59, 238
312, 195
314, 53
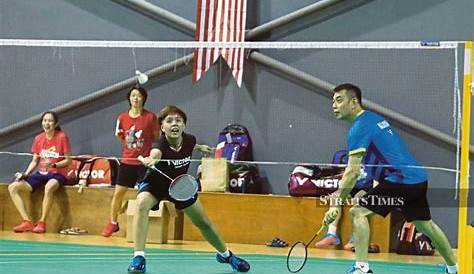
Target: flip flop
73, 231
277, 242
373, 248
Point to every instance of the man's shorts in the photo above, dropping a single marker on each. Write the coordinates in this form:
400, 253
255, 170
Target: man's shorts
37, 180
409, 199
129, 175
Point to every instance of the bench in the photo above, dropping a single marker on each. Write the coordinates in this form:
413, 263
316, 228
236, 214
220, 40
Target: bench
241, 218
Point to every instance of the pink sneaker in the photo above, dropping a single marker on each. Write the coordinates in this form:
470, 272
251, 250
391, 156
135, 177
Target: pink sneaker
109, 229
329, 240
40, 227
24, 226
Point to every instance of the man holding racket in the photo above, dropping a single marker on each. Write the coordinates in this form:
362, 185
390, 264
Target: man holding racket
399, 182
176, 148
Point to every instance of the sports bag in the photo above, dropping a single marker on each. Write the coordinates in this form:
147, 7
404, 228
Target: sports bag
412, 242
313, 181
91, 170
234, 144
244, 179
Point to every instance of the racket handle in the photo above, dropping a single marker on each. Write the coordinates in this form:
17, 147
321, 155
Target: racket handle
323, 227
81, 184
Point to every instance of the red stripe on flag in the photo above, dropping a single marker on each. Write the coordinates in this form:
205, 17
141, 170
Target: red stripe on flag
220, 21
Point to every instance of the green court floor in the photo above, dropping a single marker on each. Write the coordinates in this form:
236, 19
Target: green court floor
24, 257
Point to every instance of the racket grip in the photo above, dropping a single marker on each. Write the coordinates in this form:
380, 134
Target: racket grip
18, 176
82, 183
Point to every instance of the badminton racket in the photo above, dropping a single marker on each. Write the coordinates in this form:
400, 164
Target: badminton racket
182, 188
298, 254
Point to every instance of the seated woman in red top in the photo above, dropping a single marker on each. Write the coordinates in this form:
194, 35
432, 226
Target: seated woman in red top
51, 151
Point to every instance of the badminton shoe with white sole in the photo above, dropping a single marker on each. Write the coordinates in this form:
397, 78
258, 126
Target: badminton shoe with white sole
356, 270
237, 264
137, 265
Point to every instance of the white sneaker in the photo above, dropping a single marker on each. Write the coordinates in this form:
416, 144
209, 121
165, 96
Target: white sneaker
356, 270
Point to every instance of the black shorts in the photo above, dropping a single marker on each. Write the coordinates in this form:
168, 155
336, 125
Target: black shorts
409, 199
356, 189
159, 190
129, 175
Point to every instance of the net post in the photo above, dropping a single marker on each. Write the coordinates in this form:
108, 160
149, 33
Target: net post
464, 231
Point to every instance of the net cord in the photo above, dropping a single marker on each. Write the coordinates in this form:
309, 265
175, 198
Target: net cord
288, 163
247, 45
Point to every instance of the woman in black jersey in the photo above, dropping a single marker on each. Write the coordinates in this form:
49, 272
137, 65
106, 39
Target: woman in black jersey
176, 147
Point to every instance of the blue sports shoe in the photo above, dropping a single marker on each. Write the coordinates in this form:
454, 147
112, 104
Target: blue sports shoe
237, 264
137, 265
356, 270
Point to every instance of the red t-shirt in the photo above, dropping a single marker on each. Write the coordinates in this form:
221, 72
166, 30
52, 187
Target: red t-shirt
137, 134
51, 150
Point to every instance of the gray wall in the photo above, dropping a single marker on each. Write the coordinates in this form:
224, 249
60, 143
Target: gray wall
288, 122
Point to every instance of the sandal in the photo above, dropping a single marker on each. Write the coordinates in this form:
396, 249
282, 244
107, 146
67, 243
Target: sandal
373, 248
73, 231
277, 242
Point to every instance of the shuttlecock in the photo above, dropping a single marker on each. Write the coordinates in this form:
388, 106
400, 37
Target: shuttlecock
142, 77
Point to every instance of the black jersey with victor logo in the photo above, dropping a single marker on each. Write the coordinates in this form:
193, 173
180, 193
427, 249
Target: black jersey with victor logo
173, 163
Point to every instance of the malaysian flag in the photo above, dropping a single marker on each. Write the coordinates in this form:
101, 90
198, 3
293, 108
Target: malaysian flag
220, 21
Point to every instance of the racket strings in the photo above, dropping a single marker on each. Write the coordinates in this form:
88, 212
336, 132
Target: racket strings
297, 257
183, 188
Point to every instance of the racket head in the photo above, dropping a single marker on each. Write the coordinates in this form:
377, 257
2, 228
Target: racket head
297, 257
183, 187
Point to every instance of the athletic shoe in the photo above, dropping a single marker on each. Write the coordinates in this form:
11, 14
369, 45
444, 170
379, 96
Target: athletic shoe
137, 265
356, 270
24, 226
40, 227
237, 264
109, 229
328, 240
446, 270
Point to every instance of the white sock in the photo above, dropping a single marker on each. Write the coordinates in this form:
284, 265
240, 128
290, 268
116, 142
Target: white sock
332, 229
363, 266
452, 268
139, 253
114, 223
224, 254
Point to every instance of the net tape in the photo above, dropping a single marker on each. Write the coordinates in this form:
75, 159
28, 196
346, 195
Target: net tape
247, 45
287, 163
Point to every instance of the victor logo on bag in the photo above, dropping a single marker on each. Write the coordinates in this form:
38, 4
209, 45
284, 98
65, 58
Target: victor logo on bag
326, 183
92, 171
313, 181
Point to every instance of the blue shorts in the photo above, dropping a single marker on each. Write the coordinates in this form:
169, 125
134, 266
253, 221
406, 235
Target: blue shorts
37, 180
